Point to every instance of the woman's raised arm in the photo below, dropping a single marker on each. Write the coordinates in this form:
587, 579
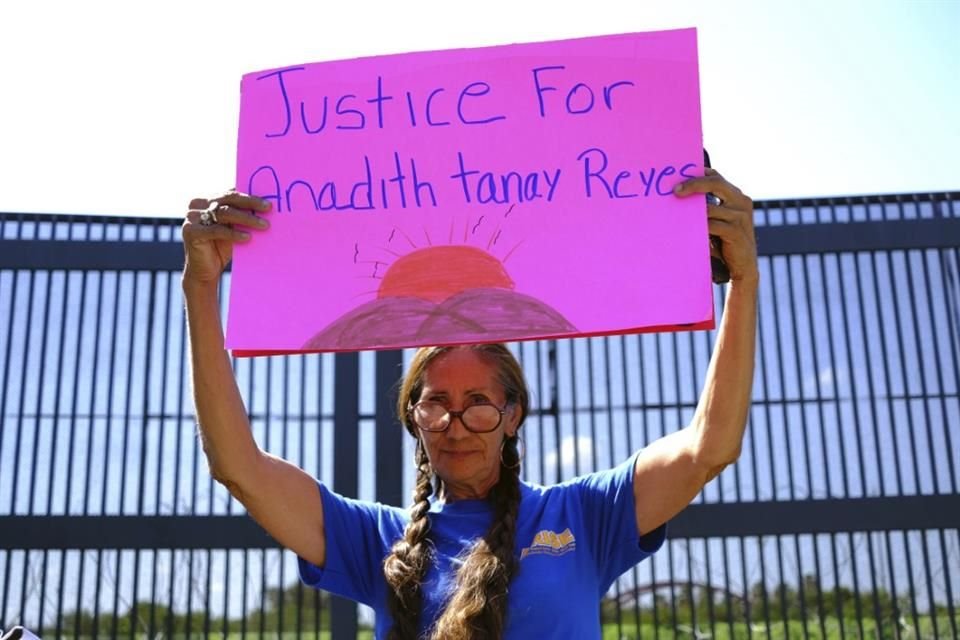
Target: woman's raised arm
672, 470
281, 497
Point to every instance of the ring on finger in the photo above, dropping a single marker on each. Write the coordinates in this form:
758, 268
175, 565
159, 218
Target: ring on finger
209, 215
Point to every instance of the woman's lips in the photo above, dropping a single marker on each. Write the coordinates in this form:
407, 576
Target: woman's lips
459, 454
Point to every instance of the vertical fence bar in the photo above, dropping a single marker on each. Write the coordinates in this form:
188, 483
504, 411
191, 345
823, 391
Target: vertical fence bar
662, 412
206, 594
302, 463
320, 418
343, 613
128, 391
575, 408
608, 376
267, 424
631, 445
145, 410
818, 399
948, 587
838, 418
914, 612
284, 425
88, 471
895, 614
111, 386
389, 433
546, 403
244, 595
182, 385
767, 401
642, 407
801, 403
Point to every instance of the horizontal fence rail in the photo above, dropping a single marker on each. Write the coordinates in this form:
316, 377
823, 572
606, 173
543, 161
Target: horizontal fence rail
841, 516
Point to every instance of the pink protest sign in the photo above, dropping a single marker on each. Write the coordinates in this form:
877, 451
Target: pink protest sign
473, 195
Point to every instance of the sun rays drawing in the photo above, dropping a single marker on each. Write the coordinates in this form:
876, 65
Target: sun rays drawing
442, 290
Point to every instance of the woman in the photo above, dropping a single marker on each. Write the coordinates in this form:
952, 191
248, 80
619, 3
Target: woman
480, 554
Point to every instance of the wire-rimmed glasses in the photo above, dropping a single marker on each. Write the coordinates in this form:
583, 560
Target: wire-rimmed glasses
435, 417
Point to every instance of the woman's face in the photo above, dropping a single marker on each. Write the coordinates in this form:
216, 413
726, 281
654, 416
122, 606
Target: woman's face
467, 462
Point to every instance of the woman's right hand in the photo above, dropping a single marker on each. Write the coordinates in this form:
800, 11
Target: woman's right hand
209, 247
270, 488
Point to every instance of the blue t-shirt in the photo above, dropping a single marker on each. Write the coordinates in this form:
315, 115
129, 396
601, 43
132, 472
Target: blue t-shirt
573, 540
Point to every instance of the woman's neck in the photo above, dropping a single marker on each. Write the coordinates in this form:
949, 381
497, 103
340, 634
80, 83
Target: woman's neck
450, 492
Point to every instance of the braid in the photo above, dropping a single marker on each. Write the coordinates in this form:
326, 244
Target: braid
477, 610
478, 607
409, 559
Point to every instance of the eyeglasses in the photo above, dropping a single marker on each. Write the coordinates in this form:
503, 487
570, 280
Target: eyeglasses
435, 417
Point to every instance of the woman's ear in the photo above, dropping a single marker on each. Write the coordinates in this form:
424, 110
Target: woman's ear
511, 419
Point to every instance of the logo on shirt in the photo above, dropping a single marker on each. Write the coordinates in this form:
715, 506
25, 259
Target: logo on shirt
550, 542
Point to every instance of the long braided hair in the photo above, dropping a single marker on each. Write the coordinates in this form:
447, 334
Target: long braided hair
477, 608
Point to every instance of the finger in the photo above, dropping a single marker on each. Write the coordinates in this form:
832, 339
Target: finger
231, 215
724, 230
731, 233
243, 201
195, 216
197, 233
193, 229
716, 184
712, 183
729, 214
721, 212
199, 203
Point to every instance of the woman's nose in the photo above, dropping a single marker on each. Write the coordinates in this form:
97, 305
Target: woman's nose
457, 429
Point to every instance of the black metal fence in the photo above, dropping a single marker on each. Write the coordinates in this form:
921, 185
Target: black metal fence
840, 519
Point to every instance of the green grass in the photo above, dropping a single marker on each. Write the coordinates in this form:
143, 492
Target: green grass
779, 631
629, 631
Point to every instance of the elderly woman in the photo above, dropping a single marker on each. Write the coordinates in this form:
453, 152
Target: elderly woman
480, 554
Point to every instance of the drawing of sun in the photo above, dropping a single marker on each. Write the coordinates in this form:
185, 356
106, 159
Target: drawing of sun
441, 294
436, 273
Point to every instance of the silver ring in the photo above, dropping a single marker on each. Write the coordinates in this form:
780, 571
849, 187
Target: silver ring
209, 216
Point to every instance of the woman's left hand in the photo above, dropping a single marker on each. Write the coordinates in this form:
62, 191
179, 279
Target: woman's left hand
731, 221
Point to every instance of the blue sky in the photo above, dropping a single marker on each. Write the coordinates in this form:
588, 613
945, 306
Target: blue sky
125, 108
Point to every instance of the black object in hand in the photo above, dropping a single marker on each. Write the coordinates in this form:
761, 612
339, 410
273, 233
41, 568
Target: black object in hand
718, 268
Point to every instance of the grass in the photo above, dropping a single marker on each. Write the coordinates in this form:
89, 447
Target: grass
780, 631
629, 631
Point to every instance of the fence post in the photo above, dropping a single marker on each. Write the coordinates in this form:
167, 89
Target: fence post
390, 461
346, 442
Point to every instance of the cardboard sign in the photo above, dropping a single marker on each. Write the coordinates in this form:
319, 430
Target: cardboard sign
473, 195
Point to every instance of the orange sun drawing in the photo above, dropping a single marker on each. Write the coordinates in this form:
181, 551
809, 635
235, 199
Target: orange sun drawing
437, 294
436, 273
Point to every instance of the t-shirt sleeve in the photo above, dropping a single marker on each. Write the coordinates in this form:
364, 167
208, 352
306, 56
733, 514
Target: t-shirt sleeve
610, 515
357, 535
